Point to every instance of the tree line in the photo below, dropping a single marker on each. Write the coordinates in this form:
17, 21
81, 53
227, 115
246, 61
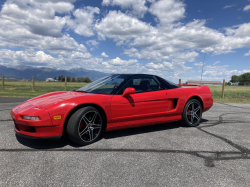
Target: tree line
73, 79
243, 79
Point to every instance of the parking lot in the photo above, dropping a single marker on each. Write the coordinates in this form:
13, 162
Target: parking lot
217, 153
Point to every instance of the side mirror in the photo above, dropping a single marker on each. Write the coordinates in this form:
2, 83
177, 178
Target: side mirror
128, 91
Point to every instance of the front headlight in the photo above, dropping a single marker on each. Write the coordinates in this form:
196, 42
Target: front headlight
30, 118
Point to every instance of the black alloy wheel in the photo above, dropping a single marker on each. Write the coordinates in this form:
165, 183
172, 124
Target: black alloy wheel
85, 126
192, 113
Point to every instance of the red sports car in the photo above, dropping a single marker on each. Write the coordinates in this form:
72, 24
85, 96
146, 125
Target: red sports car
114, 102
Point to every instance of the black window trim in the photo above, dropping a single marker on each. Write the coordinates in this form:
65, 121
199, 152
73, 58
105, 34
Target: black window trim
166, 83
155, 77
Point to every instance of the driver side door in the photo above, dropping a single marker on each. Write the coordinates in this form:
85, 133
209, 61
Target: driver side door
148, 105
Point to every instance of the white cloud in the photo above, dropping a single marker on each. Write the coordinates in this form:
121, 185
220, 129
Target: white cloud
228, 6
119, 62
246, 8
106, 2
104, 55
138, 7
242, 30
30, 57
120, 26
92, 43
157, 44
151, 1
207, 50
152, 65
165, 68
216, 71
83, 22
65, 60
186, 57
247, 54
33, 26
168, 11
216, 63
38, 19
199, 64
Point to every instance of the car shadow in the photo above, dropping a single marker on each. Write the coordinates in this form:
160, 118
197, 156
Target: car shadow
145, 129
46, 144
65, 141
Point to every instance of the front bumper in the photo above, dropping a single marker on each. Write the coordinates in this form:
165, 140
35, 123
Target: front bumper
35, 129
39, 138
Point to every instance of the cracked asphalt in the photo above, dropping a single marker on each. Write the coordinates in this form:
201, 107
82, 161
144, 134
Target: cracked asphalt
216, 153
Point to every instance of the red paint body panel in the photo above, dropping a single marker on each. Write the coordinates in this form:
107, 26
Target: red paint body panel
133, 110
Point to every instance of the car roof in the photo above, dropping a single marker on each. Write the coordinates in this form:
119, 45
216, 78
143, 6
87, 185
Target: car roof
131, 74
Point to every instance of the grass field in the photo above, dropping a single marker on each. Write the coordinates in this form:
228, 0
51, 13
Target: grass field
24, 88
233, 94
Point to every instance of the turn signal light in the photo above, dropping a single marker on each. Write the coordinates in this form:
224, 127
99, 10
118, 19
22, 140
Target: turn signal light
57, 117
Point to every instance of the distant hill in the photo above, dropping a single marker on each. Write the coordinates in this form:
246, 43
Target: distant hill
41, 73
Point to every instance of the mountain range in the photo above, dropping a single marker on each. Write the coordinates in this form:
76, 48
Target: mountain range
42, 73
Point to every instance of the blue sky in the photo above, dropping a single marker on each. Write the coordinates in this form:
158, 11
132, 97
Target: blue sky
164, 37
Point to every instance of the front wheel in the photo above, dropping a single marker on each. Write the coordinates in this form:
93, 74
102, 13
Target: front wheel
85, 126
192, 113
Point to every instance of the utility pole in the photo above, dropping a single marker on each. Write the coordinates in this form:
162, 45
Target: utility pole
203, 66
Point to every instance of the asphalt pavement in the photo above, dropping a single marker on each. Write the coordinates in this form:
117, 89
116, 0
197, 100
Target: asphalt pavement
217, 153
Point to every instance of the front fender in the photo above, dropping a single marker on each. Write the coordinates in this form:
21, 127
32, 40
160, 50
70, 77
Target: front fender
64, 108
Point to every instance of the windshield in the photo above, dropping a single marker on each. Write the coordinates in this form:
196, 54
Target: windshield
105, 85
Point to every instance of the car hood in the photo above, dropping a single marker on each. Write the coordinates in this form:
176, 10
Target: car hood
49, 99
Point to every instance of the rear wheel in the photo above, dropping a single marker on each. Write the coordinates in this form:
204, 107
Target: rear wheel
192, 113
85, 126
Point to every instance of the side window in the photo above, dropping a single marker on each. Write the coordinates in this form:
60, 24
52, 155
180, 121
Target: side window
143, 83
167, 84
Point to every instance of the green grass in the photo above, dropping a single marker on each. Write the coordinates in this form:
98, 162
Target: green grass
233, 94
24, 88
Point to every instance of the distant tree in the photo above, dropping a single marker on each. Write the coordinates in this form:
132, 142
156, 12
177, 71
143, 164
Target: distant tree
234, 79
243, 79
62, 78
73, 79
55, 78
87, 80
228, 83
68, 78
59, 78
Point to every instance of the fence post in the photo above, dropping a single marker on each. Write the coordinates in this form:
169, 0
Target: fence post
65, 83
179, 81
223, 87
33, 84
2, 82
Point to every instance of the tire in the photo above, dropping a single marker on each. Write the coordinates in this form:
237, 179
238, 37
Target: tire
192, 113
85, 126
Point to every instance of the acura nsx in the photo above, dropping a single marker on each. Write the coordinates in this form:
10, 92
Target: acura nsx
114, 102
